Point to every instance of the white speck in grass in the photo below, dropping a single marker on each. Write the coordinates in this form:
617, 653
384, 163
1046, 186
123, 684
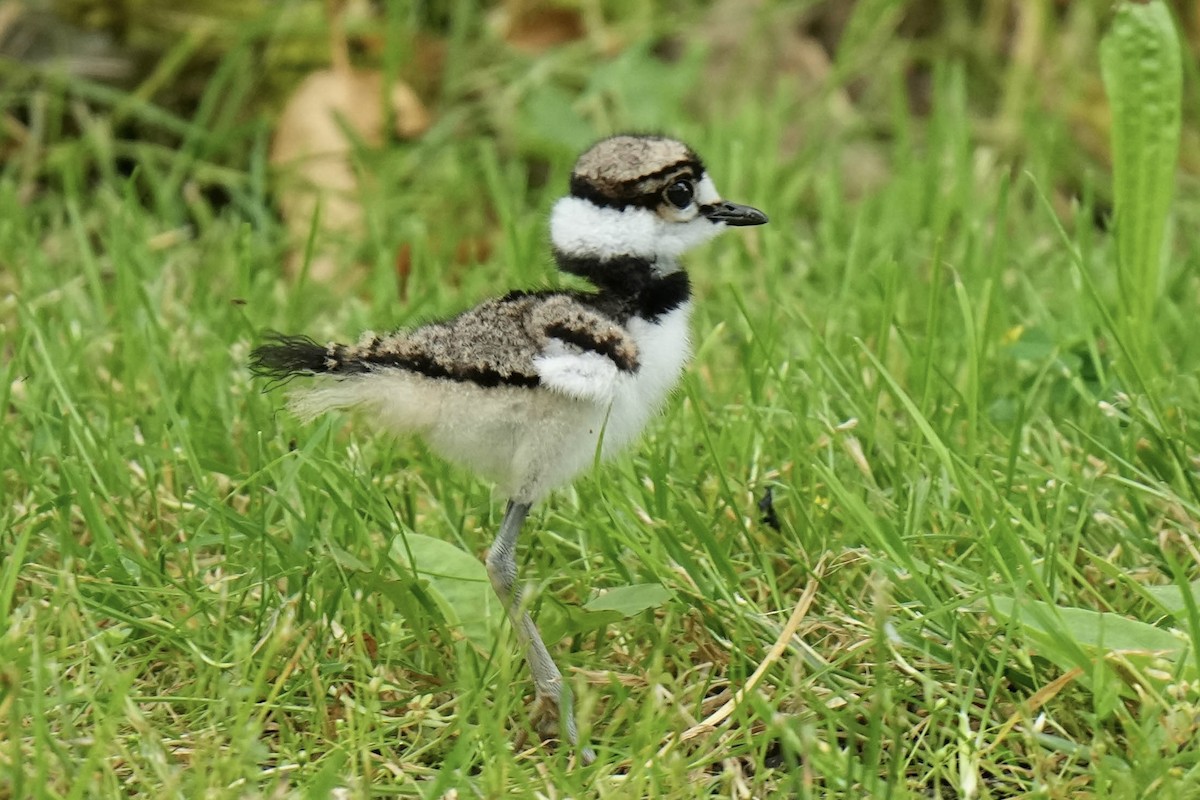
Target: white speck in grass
1108, 409
848, 425
968, 759
854, 449
1039, 724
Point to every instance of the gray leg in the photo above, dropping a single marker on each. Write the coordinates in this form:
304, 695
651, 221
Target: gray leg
552, 713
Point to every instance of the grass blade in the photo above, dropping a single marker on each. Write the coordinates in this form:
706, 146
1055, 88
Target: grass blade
1140, 61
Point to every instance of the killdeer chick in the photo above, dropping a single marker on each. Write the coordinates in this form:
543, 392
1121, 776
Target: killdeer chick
528, 388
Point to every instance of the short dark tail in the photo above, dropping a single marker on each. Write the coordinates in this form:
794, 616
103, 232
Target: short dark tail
283, 357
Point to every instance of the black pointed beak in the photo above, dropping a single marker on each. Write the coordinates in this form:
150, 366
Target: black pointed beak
733, 214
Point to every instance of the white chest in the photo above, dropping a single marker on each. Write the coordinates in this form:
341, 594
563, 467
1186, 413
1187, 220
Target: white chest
664, 347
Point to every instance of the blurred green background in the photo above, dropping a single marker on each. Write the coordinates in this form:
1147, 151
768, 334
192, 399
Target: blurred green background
941, 414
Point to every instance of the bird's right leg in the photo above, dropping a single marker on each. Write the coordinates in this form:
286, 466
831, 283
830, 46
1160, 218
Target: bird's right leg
552, 713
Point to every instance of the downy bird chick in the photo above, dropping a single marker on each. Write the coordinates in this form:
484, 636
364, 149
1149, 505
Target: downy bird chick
525, 389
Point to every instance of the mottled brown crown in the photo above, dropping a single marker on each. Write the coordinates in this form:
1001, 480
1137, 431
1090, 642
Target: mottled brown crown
631, 170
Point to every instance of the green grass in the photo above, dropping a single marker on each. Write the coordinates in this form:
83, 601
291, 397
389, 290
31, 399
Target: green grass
201, 597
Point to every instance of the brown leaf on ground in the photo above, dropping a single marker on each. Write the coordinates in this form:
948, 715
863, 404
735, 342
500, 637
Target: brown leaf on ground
327, 115
535, 26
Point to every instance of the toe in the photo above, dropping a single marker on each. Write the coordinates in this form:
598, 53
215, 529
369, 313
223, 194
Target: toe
543, 716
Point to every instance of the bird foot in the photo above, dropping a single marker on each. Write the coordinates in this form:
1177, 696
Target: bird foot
545, 718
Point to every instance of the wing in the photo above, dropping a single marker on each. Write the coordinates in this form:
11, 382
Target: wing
548, 339
583, 353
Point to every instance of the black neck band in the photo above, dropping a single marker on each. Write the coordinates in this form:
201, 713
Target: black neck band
629, 285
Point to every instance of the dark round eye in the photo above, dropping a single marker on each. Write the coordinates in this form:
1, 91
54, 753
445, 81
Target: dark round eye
679, 194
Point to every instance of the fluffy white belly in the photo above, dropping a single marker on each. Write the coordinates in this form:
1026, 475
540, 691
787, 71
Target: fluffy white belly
528, 441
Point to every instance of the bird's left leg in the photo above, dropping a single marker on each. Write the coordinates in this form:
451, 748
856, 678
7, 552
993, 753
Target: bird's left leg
552, 713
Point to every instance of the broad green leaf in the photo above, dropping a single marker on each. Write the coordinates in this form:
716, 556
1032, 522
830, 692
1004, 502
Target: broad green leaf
458, 581
1170, 597
630, 600
348, 560
1060, 629
558, 620
1140, 62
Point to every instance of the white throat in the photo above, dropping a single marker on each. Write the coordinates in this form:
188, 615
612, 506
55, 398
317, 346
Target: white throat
583, 229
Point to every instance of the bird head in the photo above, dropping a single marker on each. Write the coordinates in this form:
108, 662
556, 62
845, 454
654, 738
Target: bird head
642, 197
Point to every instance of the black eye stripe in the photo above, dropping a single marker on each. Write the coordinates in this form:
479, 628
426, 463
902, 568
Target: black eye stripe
645, 191
587, 191
690, 169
